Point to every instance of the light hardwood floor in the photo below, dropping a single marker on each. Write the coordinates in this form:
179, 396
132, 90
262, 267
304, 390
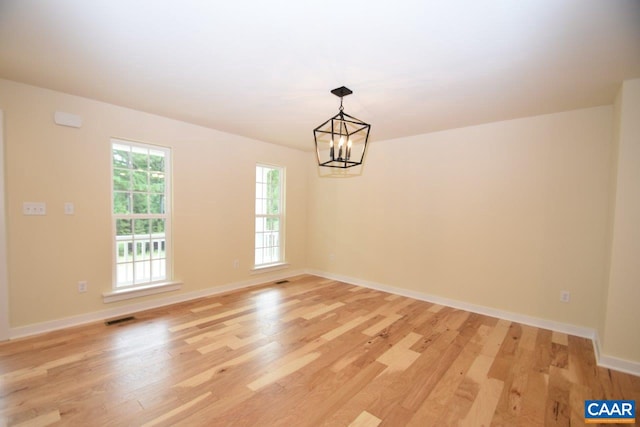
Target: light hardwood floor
305, 353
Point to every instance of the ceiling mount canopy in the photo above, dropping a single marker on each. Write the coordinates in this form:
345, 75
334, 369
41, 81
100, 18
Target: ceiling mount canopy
341, 141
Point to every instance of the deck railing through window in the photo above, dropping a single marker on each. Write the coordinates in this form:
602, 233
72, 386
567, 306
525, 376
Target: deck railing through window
142, 257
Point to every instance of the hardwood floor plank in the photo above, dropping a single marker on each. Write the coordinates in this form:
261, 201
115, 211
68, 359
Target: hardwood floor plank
534, 399
283, 371
176, 411
340, 330
213, 334
399, 357
484, 404
221, 315
437, 400
559, 338
309, 352
558, 412
231, 341
429, 368
206, 307
382, 324
510, 404
329, 397
208, 374
41, 420
322, 310
365, 419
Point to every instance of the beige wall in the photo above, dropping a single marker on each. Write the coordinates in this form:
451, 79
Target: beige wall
213, 187
504, 215
622, 315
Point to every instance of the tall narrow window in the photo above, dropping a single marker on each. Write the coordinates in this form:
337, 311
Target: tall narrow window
269, 215
140, 213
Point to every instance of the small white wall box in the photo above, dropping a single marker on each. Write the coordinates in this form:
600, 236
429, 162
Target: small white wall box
67, 119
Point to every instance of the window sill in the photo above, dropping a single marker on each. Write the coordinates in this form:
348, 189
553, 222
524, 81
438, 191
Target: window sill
140, 291
269, 267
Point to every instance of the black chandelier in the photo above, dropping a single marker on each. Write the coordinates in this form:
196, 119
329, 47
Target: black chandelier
341, 141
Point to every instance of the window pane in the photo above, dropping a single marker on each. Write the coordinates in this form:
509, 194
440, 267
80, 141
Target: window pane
261, 206
140, 203
124, 251
273, 206
158, 269
121, 203
142, 250
273, 224
121, 157
123, 227
156, 181
121, 180
124, 274
156, 160
156, 203
140, 181
142, 271
260, 224
139, 159
142, 226
269, 256
273, 179
157, 226
158, 248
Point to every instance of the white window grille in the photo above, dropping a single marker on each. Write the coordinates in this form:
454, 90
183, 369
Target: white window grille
269, 231
140, 209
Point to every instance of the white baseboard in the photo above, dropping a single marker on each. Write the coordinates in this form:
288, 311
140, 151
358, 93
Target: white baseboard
617, 364
603, 360
480, 309
96, 316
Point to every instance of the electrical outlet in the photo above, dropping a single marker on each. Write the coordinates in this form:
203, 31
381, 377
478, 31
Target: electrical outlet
34, 208
82, 286
332, 257
565, 296
236, 263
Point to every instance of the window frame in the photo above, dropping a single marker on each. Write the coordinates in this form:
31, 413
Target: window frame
168, 256
280, 216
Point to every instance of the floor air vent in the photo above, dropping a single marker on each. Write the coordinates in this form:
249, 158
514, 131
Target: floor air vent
120, 320
280, 282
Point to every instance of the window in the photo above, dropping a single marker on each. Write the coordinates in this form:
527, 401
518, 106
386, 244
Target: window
269, 215
141, 190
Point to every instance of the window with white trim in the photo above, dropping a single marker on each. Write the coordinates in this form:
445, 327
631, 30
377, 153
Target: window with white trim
140, 209
269, 242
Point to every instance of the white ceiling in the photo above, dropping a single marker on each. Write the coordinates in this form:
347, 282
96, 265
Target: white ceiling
264, 69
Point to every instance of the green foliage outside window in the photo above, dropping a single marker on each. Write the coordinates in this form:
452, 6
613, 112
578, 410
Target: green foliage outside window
273, 198
136, 177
